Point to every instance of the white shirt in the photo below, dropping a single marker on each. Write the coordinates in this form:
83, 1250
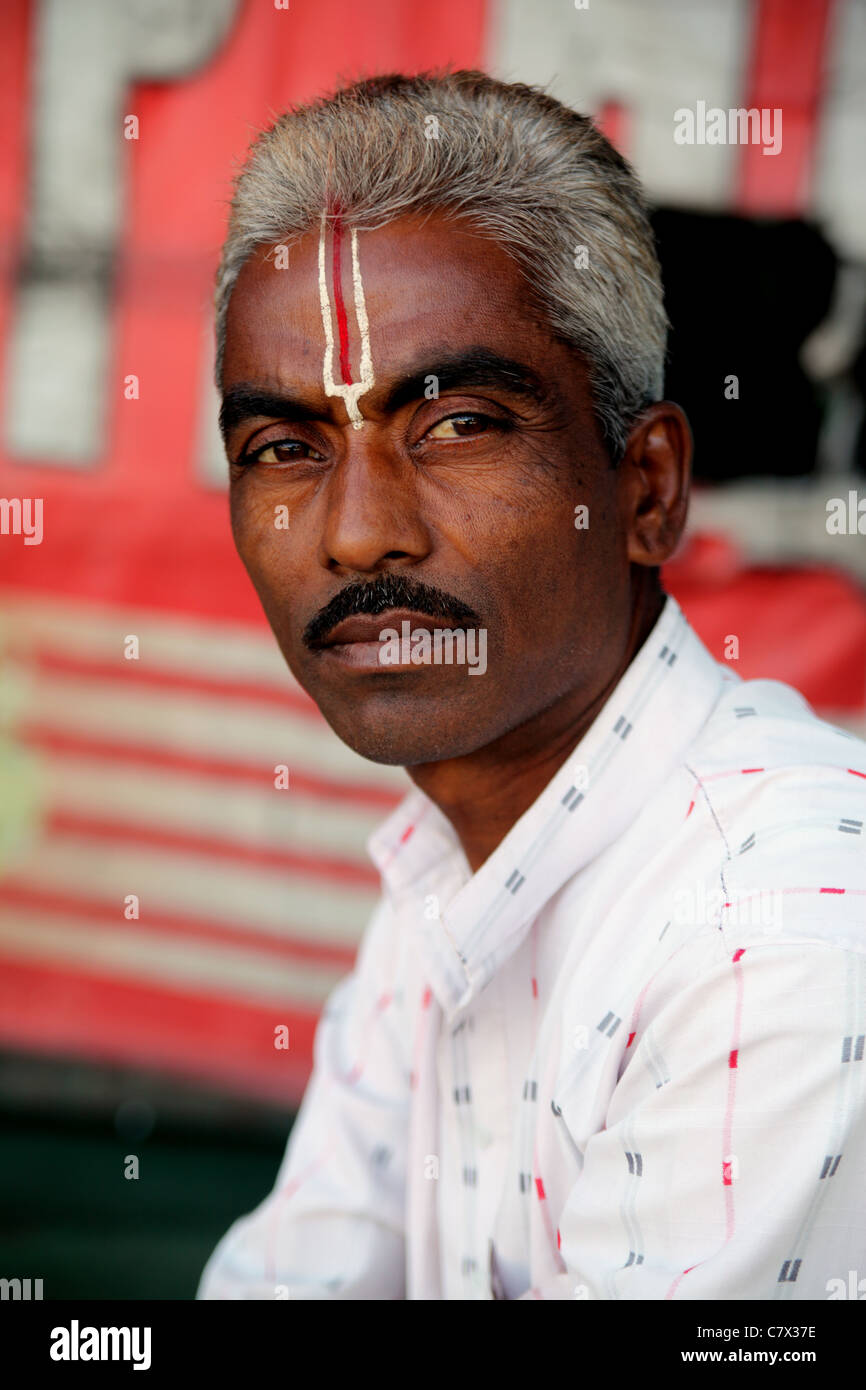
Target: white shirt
623, 1060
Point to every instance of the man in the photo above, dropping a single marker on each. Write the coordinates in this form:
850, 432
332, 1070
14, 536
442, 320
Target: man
605, 1034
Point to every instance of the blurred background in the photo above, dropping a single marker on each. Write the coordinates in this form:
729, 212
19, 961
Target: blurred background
164, 909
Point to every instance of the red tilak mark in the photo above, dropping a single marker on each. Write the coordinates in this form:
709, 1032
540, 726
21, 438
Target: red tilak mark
539, 1187
534, 988
855, 773
831, 890
342, 325
409, 831
732, 1060
691, 808
727, 1180
751, 769
737, 954
631, 1038
558, 1241
428, 995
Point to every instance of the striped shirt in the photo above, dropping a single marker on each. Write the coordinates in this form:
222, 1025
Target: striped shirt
625, 1058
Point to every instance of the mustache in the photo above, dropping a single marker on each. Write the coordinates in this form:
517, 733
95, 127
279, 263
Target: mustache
387, 591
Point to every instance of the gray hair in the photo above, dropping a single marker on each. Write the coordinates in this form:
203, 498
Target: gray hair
508, 159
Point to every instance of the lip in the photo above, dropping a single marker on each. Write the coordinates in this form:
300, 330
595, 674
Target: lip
355, 641
365, 627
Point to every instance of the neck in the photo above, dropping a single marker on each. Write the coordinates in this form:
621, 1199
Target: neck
485, 793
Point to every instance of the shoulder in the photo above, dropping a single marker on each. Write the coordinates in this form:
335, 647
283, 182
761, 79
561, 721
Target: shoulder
772, 727
783, 793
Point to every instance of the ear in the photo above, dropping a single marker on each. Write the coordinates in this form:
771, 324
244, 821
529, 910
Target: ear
655, 473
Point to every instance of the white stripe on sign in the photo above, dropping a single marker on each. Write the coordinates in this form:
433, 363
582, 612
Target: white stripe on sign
184, 803
229, 729
651, 59
195, 647
159, 958
289, 904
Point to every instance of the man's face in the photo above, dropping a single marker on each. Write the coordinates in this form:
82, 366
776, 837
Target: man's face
460, 508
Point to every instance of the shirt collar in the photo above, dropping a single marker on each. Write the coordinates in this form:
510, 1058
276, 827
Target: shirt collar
466, 924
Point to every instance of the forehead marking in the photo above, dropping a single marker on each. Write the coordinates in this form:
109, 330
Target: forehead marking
350, 391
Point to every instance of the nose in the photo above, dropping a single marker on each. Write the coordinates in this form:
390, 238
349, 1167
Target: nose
372, 514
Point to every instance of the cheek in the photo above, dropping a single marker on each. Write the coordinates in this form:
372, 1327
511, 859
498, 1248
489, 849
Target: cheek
551, 546
261, 527
551, 579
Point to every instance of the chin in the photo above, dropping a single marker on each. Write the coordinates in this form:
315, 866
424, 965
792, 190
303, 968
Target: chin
398, 740
395, 748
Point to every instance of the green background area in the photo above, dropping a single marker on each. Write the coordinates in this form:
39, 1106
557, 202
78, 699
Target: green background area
70, 1217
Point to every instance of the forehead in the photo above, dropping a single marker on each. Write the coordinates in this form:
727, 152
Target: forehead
425, 281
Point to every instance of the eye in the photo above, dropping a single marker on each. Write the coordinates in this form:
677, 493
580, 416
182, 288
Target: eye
281, 451
461, 426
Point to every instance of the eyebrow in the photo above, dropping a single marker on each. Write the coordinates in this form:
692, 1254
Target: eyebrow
247, 402
477, 367
473, 367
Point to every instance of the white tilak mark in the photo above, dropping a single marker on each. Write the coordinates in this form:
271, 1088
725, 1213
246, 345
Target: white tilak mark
350, 394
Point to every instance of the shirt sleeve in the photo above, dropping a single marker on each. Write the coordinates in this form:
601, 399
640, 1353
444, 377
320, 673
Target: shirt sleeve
732, 1163
334, 1225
